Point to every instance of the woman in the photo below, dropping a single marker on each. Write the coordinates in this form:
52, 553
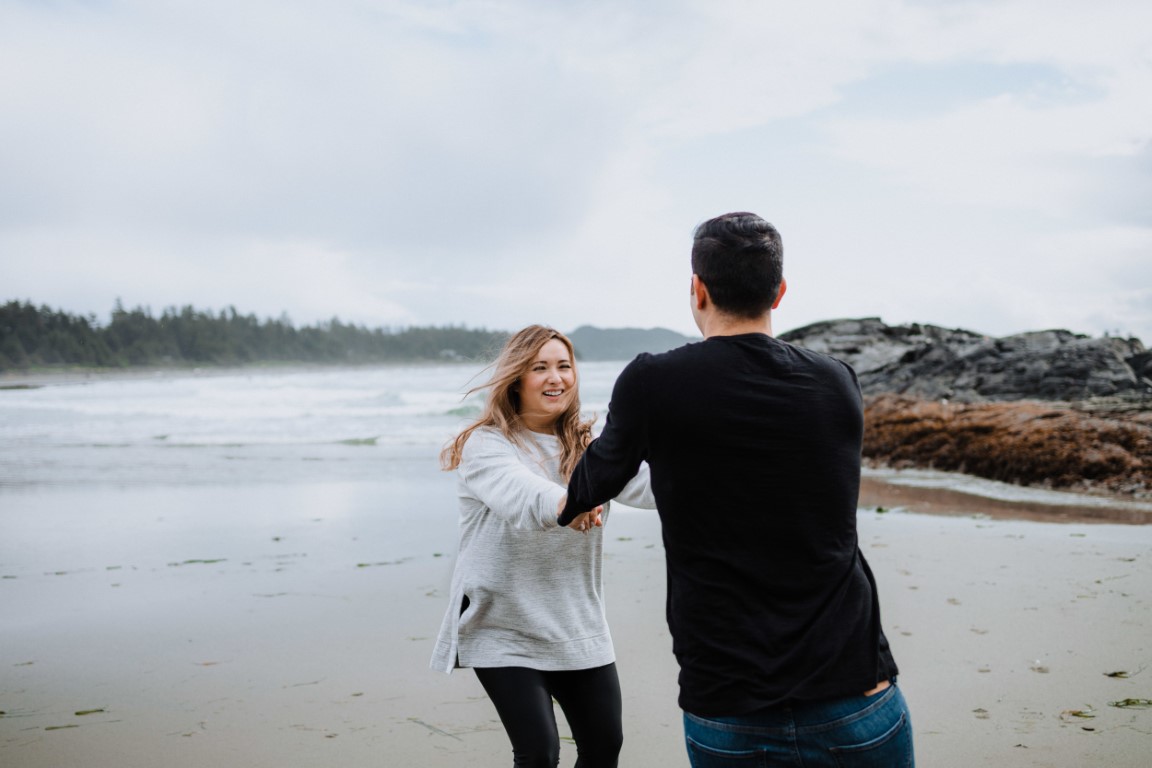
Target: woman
527, 610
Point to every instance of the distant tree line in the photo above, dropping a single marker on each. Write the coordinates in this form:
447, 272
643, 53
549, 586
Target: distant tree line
41, 336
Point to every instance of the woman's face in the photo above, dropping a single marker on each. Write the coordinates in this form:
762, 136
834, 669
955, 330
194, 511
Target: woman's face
547, 386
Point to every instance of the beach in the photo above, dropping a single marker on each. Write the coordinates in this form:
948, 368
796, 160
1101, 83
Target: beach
238, 600
273, 626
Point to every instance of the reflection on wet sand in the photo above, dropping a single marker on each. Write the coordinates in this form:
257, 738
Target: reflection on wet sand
884, 492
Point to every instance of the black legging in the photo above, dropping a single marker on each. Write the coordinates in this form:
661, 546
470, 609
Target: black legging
590, 699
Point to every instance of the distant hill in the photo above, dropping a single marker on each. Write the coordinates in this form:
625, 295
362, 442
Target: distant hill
594, 343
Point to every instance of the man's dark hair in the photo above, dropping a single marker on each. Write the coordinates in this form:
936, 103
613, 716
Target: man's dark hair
740, 259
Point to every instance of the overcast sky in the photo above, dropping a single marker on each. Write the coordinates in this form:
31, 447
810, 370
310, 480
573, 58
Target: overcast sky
981, 164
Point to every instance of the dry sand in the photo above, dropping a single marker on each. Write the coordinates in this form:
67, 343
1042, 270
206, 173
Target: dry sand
292, 626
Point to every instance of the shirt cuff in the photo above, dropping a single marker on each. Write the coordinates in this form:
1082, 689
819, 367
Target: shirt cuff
551, 501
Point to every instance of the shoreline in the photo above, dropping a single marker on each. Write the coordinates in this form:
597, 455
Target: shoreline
45, 377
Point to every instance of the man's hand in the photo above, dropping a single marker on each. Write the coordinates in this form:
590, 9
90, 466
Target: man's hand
586, 521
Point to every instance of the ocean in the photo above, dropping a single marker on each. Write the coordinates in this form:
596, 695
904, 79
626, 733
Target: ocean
243, 426
283, 428
142, 470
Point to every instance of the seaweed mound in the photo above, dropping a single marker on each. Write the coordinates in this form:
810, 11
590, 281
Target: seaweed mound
1081, 447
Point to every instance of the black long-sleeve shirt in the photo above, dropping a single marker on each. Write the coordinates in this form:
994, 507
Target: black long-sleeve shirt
754, 450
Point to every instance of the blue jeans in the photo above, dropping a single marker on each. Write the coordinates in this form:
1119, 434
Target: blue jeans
854, 732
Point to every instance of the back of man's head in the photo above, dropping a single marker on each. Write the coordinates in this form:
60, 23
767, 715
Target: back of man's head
740, 259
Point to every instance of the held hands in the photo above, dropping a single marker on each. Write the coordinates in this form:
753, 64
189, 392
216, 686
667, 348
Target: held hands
586, 521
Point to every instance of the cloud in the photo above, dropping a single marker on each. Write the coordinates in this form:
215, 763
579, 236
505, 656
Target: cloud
502, 162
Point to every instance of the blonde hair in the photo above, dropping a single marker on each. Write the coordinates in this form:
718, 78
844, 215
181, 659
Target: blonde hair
502, 405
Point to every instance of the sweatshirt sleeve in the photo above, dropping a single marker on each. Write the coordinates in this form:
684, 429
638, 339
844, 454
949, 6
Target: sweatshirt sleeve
491, 469
612, 459
638, 492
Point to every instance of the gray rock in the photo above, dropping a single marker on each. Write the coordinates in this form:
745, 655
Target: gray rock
933, 362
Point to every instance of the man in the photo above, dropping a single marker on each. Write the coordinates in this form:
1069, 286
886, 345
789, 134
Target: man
754, 450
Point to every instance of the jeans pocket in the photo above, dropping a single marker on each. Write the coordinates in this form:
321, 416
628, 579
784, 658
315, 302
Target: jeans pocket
890, 749
701, 756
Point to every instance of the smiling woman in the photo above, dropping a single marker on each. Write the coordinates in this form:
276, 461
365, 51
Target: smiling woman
508, 410
548, 388
533, 638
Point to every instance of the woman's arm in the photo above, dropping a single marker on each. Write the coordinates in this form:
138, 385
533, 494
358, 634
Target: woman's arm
491, 470
638, 492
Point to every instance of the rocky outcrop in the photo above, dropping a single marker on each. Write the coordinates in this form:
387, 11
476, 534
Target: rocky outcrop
1046, 408
931, 362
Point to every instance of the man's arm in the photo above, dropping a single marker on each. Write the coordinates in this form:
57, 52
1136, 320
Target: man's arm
612, 459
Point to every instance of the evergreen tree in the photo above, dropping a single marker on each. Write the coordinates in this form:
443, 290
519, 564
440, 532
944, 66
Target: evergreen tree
38, 337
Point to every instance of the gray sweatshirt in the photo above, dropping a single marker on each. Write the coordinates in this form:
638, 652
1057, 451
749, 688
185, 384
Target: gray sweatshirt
534, 592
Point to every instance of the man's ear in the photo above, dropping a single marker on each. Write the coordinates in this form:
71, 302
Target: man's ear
699, 292
780, 295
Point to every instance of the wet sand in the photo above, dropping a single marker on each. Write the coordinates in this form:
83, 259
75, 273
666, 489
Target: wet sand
941, 493
291, 626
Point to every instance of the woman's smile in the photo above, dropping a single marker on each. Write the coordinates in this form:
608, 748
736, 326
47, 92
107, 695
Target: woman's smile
544, 388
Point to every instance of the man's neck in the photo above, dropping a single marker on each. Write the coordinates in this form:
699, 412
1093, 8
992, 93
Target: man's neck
719, 324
